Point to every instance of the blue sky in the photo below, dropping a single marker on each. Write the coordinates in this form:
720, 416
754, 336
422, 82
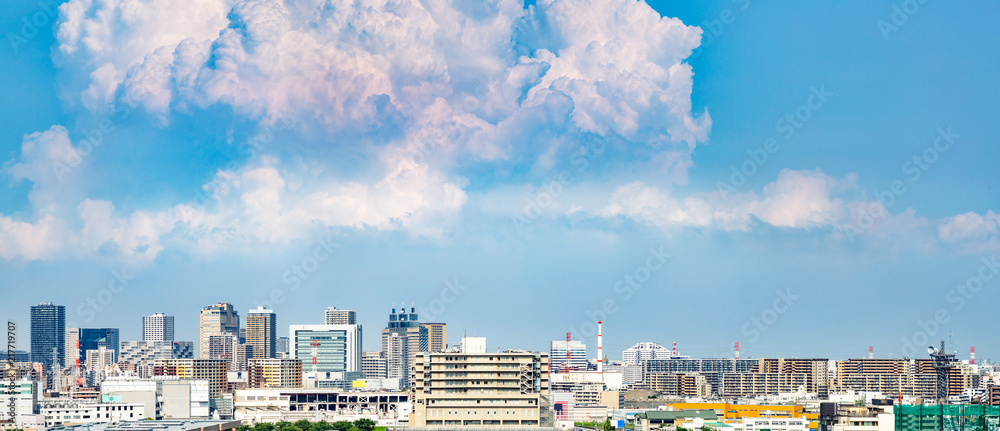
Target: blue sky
529, 158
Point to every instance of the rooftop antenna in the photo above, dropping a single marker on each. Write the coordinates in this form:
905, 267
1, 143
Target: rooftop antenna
568, 359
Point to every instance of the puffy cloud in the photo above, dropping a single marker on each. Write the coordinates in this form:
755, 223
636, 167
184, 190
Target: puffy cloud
555, 69
800, 199
258, 204
796, 199
975, 232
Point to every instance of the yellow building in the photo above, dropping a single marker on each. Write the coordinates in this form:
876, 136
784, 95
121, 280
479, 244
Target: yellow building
732, 412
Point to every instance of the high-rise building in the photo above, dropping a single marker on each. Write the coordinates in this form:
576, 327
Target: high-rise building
158, 327
91, 339
437, 336
274, 373
407, 327
262, 328
397, 359
374, 365
217, 319
566, 355
340, 317
229, 348
456, 390
326, 348
48, 334
73, 352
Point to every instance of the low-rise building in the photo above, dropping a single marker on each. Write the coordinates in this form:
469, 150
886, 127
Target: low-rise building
292, 404
60, 412
23, 395
481, 389
274, 373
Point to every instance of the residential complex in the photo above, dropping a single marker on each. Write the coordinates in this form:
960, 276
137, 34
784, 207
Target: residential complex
218, 319
508, 389
261, 332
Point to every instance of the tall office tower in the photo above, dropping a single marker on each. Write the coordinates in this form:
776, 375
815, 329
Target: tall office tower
93, 338
158, 327
374, 365
437, 336
218, 319
229, 348
326, 348
397, 359
340, 317
262, 328
568, 355
407, 326
48, 334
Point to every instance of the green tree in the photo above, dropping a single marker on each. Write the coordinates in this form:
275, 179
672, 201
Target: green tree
321, 426
244, 428
341, 425
264, 426
606, 426
365, 424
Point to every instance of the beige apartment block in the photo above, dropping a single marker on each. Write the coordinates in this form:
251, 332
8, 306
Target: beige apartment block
509, 390
274, 373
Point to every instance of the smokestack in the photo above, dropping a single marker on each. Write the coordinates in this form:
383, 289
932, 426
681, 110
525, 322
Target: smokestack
972, 355
737, 349
674, 352
871, 352
600, 350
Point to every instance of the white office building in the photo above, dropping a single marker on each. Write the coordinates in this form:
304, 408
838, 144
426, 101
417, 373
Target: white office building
568, 355
333, 316
640, 352
158, 327
335, 348
63, 412
26, 394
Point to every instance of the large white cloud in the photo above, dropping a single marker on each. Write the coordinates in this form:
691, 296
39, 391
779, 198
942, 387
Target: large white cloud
611, 67
796, 199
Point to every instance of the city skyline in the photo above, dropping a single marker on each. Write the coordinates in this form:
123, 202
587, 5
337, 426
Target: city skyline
590, 343
807, 179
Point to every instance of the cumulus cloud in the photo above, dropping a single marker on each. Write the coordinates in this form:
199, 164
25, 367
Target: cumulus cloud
796, 199
432, 86
975, 232
610, 67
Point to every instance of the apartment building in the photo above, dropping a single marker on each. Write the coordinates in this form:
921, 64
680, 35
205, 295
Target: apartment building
274, 373
213, 370
481, 389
